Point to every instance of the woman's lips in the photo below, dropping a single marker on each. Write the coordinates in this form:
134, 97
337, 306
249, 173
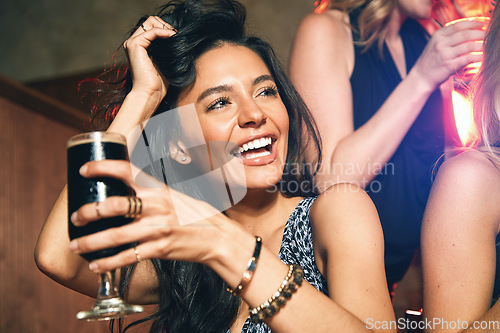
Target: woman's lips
259, 151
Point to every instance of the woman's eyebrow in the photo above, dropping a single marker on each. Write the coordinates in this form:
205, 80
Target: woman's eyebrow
214, 90
227, 87
263, 78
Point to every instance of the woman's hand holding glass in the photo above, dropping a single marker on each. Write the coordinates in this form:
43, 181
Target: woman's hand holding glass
159, 231
449, 49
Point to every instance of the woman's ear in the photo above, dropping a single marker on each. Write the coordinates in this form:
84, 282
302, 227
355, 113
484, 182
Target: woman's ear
178, 152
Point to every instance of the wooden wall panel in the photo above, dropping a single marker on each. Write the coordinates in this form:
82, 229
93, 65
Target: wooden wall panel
32, 172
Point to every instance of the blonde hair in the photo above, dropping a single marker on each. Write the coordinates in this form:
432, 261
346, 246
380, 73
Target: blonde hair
486, 94
372, 20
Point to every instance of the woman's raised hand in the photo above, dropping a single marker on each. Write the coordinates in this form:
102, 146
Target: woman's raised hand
450, 48
146, 78
148, 85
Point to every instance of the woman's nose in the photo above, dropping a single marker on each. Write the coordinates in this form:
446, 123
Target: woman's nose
251, 115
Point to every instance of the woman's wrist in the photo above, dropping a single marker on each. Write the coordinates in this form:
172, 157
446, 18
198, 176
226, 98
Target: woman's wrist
136, 108
420, 81
248, 274
232, 256
152, 96
229, 257
266, 279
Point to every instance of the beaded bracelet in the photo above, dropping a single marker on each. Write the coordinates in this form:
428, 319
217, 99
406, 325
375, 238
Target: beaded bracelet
252, 263
292, 282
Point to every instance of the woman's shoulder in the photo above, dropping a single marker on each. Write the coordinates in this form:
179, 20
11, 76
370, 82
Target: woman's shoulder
344, 218
470, 167
331, 26
323, 46
469, 176
464, 197
344, 206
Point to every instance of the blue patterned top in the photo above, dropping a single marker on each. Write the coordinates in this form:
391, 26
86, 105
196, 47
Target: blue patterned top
296, 248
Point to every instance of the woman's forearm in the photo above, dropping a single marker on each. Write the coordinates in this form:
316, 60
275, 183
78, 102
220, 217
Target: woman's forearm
53, 256
360, 155
136, 109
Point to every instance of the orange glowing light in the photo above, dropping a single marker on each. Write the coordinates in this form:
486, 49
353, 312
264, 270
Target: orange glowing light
473, 68
464, 120
470, 8
445, 11
321, 6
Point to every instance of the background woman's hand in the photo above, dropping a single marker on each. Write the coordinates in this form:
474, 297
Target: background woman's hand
146, 78
450, 48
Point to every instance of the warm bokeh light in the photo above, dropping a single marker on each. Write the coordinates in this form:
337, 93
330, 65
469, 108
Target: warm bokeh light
321, 6
470, 8
472, 68
464, 120
444, 11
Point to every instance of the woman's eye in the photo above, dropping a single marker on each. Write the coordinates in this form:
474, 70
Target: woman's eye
269, 91
219, 103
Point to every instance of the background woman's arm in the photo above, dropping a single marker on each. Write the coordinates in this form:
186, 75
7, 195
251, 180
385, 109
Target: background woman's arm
321, 63
460, 225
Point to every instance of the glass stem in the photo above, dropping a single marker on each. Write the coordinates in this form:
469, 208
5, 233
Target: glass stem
107, 286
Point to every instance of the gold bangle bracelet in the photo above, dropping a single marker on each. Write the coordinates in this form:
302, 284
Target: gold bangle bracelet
252, 264
290, 284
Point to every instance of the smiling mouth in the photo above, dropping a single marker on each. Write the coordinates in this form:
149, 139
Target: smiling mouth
254, 149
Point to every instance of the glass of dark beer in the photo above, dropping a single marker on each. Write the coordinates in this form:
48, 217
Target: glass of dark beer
82, 148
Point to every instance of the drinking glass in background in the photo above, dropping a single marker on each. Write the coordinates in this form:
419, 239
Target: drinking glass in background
465, 74
82, 148
462, 105
447, 12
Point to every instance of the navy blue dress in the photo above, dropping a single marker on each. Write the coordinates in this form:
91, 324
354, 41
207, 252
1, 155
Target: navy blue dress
401, 189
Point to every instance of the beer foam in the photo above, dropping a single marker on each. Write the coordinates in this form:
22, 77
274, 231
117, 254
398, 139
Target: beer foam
75, 141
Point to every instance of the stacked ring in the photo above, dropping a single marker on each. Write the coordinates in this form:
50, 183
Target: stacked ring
134, 207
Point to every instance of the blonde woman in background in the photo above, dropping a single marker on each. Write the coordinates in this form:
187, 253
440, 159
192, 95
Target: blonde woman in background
460, 234
370, 74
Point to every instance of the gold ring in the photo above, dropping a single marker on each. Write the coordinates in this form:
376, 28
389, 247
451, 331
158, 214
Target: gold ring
137, 255
142, 26
97, 209
134, 207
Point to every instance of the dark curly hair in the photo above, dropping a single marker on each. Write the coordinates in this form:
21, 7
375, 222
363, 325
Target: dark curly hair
192, 298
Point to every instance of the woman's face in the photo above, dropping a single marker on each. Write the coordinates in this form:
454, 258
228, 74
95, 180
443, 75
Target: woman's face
416, 9
237, 102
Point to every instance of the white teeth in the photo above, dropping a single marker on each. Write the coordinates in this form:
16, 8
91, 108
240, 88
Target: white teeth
255, 155
263, 141
255, 144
